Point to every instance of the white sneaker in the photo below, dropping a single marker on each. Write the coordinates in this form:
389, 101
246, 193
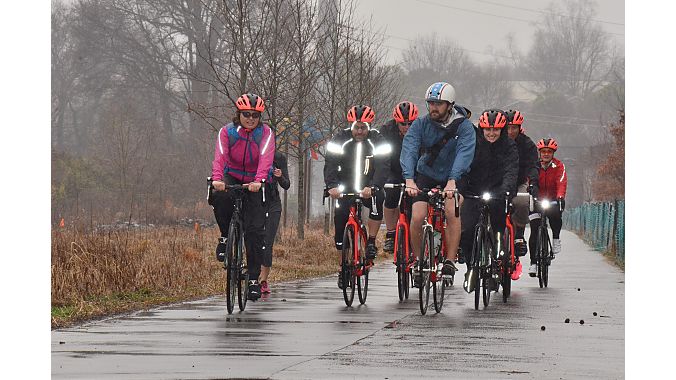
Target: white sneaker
533, 270
556, 246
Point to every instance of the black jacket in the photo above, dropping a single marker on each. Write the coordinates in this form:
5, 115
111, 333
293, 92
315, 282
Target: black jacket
494, 168
390, 133
528, 160
339, 167
280, 162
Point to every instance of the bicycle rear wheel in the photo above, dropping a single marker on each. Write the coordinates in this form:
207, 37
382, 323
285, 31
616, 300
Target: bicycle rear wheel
400, 254
231, 267
424, 264
242, 275
347, 269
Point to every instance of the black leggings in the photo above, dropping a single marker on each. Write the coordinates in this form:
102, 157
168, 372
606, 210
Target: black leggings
254, 218
343, 213
555, 222
469, 217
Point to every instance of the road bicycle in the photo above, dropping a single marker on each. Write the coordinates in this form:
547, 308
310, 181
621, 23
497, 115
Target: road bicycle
484, 274
543, 246
235, 263
354, 268
403, 260
432, 254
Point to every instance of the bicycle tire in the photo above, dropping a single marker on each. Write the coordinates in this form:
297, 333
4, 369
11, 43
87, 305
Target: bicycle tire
347, 266
476, 253
243, 279
540, 249
363, 280
401, 264
506, 280
547, 260
230, 267
423, 265
439, 285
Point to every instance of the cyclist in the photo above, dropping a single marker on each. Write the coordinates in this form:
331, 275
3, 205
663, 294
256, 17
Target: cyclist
357, 159
280, 176
552, 185
244, 153
437, 150
494, 170
528, 174
393, 132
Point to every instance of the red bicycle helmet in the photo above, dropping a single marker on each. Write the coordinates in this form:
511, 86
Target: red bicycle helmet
492, 119
250, 102
405, 112
361, 113
547, 143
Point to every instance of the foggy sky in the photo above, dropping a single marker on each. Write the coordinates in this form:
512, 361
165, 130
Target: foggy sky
473, 31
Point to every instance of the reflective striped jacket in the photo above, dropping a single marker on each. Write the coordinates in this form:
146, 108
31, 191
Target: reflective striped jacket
244, 154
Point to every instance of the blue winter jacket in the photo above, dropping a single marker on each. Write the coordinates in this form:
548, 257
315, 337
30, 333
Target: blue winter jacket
454, 158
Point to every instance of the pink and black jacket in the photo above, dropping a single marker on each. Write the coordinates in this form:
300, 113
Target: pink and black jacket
243, 154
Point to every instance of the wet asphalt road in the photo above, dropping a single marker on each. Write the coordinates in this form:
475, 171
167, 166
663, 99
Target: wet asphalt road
304, 331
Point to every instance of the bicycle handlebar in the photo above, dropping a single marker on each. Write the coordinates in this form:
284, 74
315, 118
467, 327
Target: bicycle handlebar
402, 186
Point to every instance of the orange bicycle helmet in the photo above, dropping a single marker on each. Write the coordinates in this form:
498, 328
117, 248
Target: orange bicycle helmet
405, 112
250, 102
361, 113
547, 143
492, 119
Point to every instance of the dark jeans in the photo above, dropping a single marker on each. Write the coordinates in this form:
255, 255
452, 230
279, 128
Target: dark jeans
254, 218
555, 222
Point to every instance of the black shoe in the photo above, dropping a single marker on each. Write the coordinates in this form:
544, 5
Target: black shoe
449, 268
520, 247
461, 257
254, 290
220, 248
388, 246
416, 274
341, 285
371, 251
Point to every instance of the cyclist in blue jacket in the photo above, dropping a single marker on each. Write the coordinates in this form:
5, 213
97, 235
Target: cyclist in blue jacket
437, 150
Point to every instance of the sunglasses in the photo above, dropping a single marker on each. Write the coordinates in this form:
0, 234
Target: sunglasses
406, 123
249, 115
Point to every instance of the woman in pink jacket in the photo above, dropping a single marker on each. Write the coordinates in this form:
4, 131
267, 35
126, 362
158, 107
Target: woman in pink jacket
244, 153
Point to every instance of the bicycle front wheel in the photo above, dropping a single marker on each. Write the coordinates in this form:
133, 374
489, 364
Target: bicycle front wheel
506, 264
363, 273
439, 285
400, 254
242, 274
231, 268
542, 252
424, 269
347, 266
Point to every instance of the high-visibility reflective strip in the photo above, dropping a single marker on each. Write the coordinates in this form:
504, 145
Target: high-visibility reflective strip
266, 144
357, 168
220, 146
563, 174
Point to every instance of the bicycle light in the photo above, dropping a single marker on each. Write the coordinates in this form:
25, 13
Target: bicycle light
486, 196
545, 204
341, 188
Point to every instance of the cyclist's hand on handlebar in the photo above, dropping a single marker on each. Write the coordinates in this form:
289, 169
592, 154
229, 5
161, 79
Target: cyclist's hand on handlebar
366, 192
411, 188
334, 193
218, 185
450, 188
254, 186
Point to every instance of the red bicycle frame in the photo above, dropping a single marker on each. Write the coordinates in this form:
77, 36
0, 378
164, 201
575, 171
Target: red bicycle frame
354, 220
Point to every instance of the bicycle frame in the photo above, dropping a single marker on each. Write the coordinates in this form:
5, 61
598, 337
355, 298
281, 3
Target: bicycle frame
354, 220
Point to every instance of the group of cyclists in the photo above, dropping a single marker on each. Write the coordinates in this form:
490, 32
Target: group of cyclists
441, 149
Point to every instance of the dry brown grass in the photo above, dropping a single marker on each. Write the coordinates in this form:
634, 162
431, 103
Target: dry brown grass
98, 274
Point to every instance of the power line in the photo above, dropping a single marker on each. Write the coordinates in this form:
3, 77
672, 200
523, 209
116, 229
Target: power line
545, 12
493, 15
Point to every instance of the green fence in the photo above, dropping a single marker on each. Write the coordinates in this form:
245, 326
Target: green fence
601, 224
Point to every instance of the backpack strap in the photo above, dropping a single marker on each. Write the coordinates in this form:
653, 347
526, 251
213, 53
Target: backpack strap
451, 133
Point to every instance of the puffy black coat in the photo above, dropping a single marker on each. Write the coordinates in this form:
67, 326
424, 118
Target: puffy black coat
495, 166
528, 160
339, 168
390, 133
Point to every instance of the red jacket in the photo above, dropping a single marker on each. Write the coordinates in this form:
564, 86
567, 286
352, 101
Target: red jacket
553, 180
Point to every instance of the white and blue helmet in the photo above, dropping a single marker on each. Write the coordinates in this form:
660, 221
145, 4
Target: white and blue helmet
440, 91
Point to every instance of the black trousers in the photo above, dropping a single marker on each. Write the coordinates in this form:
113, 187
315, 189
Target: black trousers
469, 217
343, 213
254, 218
555, 222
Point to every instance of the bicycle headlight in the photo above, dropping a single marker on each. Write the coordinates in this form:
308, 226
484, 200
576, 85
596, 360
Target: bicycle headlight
486, 196
545, 204
341, 188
